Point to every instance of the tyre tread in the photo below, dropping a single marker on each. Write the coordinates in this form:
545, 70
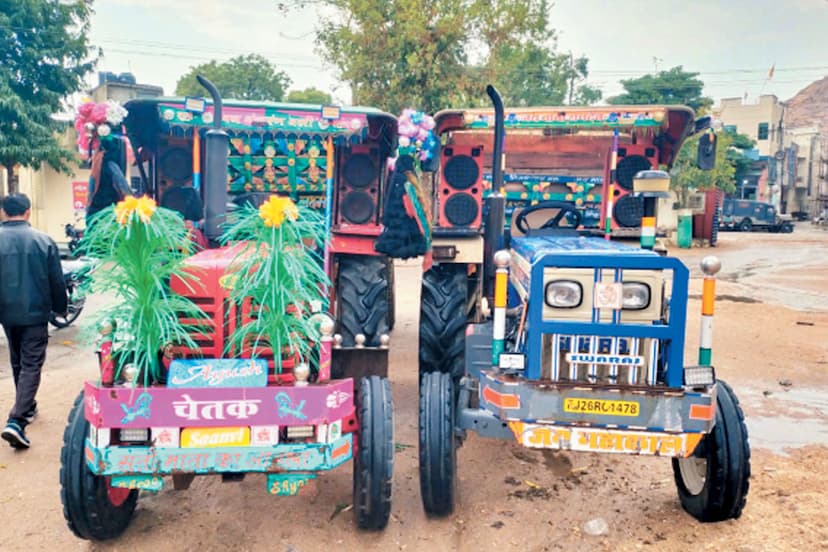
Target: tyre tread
443, 318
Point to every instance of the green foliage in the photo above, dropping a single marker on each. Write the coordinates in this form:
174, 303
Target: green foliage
673, 86
309, 96
135, 261
279, 269
575, 71
441, 53
687, 177
730, 159
44, 54
250, 77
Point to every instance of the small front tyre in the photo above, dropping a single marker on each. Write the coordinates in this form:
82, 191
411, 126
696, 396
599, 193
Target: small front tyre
374, 460
438, 451
713, 483
93, 509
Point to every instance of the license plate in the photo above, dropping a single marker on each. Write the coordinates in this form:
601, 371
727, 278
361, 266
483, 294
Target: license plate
601, 407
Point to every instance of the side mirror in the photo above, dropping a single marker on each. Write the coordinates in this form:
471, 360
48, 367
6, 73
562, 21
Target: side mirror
706, 158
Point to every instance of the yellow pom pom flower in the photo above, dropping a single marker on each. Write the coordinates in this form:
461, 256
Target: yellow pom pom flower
274, 211
144, 206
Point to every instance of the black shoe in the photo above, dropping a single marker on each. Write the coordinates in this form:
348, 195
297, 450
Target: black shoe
15, 435
30, 415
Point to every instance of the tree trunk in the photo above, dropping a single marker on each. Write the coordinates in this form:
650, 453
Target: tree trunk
12, 180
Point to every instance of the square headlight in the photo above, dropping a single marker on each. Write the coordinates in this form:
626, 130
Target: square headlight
636, 296
563, 294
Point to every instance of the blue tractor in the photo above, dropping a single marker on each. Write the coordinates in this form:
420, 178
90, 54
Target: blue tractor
583, 350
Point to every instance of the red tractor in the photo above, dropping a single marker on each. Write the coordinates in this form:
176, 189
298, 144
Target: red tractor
235, 414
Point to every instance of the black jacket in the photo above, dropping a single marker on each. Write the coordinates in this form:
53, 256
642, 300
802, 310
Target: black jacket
31, 278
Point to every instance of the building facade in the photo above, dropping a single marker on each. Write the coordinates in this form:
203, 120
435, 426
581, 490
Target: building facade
762, 121
789, 162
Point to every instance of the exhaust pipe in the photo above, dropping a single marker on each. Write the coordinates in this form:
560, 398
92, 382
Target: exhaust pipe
496, 203
216, 151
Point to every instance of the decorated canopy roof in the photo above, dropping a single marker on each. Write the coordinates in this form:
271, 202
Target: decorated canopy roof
150, 118
674, 122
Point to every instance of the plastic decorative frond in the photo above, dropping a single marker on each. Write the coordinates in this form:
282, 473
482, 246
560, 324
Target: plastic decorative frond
279, 269
137, 248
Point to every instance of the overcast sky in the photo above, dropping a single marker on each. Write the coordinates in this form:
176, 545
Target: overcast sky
732, 43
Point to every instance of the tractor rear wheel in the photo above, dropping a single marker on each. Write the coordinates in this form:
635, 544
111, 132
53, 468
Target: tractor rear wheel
443, 317
363, 298
93, 509
438, 446
374, 460
713, 483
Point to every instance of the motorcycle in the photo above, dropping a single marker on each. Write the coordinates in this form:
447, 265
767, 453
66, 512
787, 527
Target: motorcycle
74, 273
74, 236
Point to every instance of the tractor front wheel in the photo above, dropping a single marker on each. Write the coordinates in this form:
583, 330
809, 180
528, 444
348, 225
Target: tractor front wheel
374, 460
93, 509
713, 483
438, 450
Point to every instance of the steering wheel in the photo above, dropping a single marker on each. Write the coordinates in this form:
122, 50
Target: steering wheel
564, 209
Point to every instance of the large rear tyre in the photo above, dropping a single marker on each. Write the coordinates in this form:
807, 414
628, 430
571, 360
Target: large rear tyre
363, 298
92, 508
713, 483
438, 446
374, 460
746, 225
443, 318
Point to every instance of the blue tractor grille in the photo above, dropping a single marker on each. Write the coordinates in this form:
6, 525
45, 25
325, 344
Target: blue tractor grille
595, 359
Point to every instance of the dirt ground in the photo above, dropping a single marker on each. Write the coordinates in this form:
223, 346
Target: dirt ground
770, 344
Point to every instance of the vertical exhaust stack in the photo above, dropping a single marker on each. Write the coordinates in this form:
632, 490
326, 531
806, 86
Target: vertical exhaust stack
216, 151
496, 202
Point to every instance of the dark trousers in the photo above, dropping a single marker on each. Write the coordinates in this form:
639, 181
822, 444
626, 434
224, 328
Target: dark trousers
27, 351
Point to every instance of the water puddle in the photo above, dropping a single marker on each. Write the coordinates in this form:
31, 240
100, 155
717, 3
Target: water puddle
786, 419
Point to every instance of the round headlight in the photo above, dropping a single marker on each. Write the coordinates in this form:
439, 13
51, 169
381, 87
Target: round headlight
636, 296
563, 294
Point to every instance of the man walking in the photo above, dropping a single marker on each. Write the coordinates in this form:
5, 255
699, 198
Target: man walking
31, 287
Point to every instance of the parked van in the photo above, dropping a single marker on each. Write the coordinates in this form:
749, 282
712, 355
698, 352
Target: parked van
746, 215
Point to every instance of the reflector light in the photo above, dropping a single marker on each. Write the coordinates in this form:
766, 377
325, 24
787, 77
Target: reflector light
299, 432
695, 376
134, 435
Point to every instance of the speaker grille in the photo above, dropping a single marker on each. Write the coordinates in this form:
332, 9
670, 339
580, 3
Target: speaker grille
461, 172
628, 211
461, 209
628, 167
360, 171
357, 207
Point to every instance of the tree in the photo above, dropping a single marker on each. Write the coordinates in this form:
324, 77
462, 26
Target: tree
397, 54
435, 54
309, 96
730, 154
576, 72
674, 86
250, 77
44, 54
